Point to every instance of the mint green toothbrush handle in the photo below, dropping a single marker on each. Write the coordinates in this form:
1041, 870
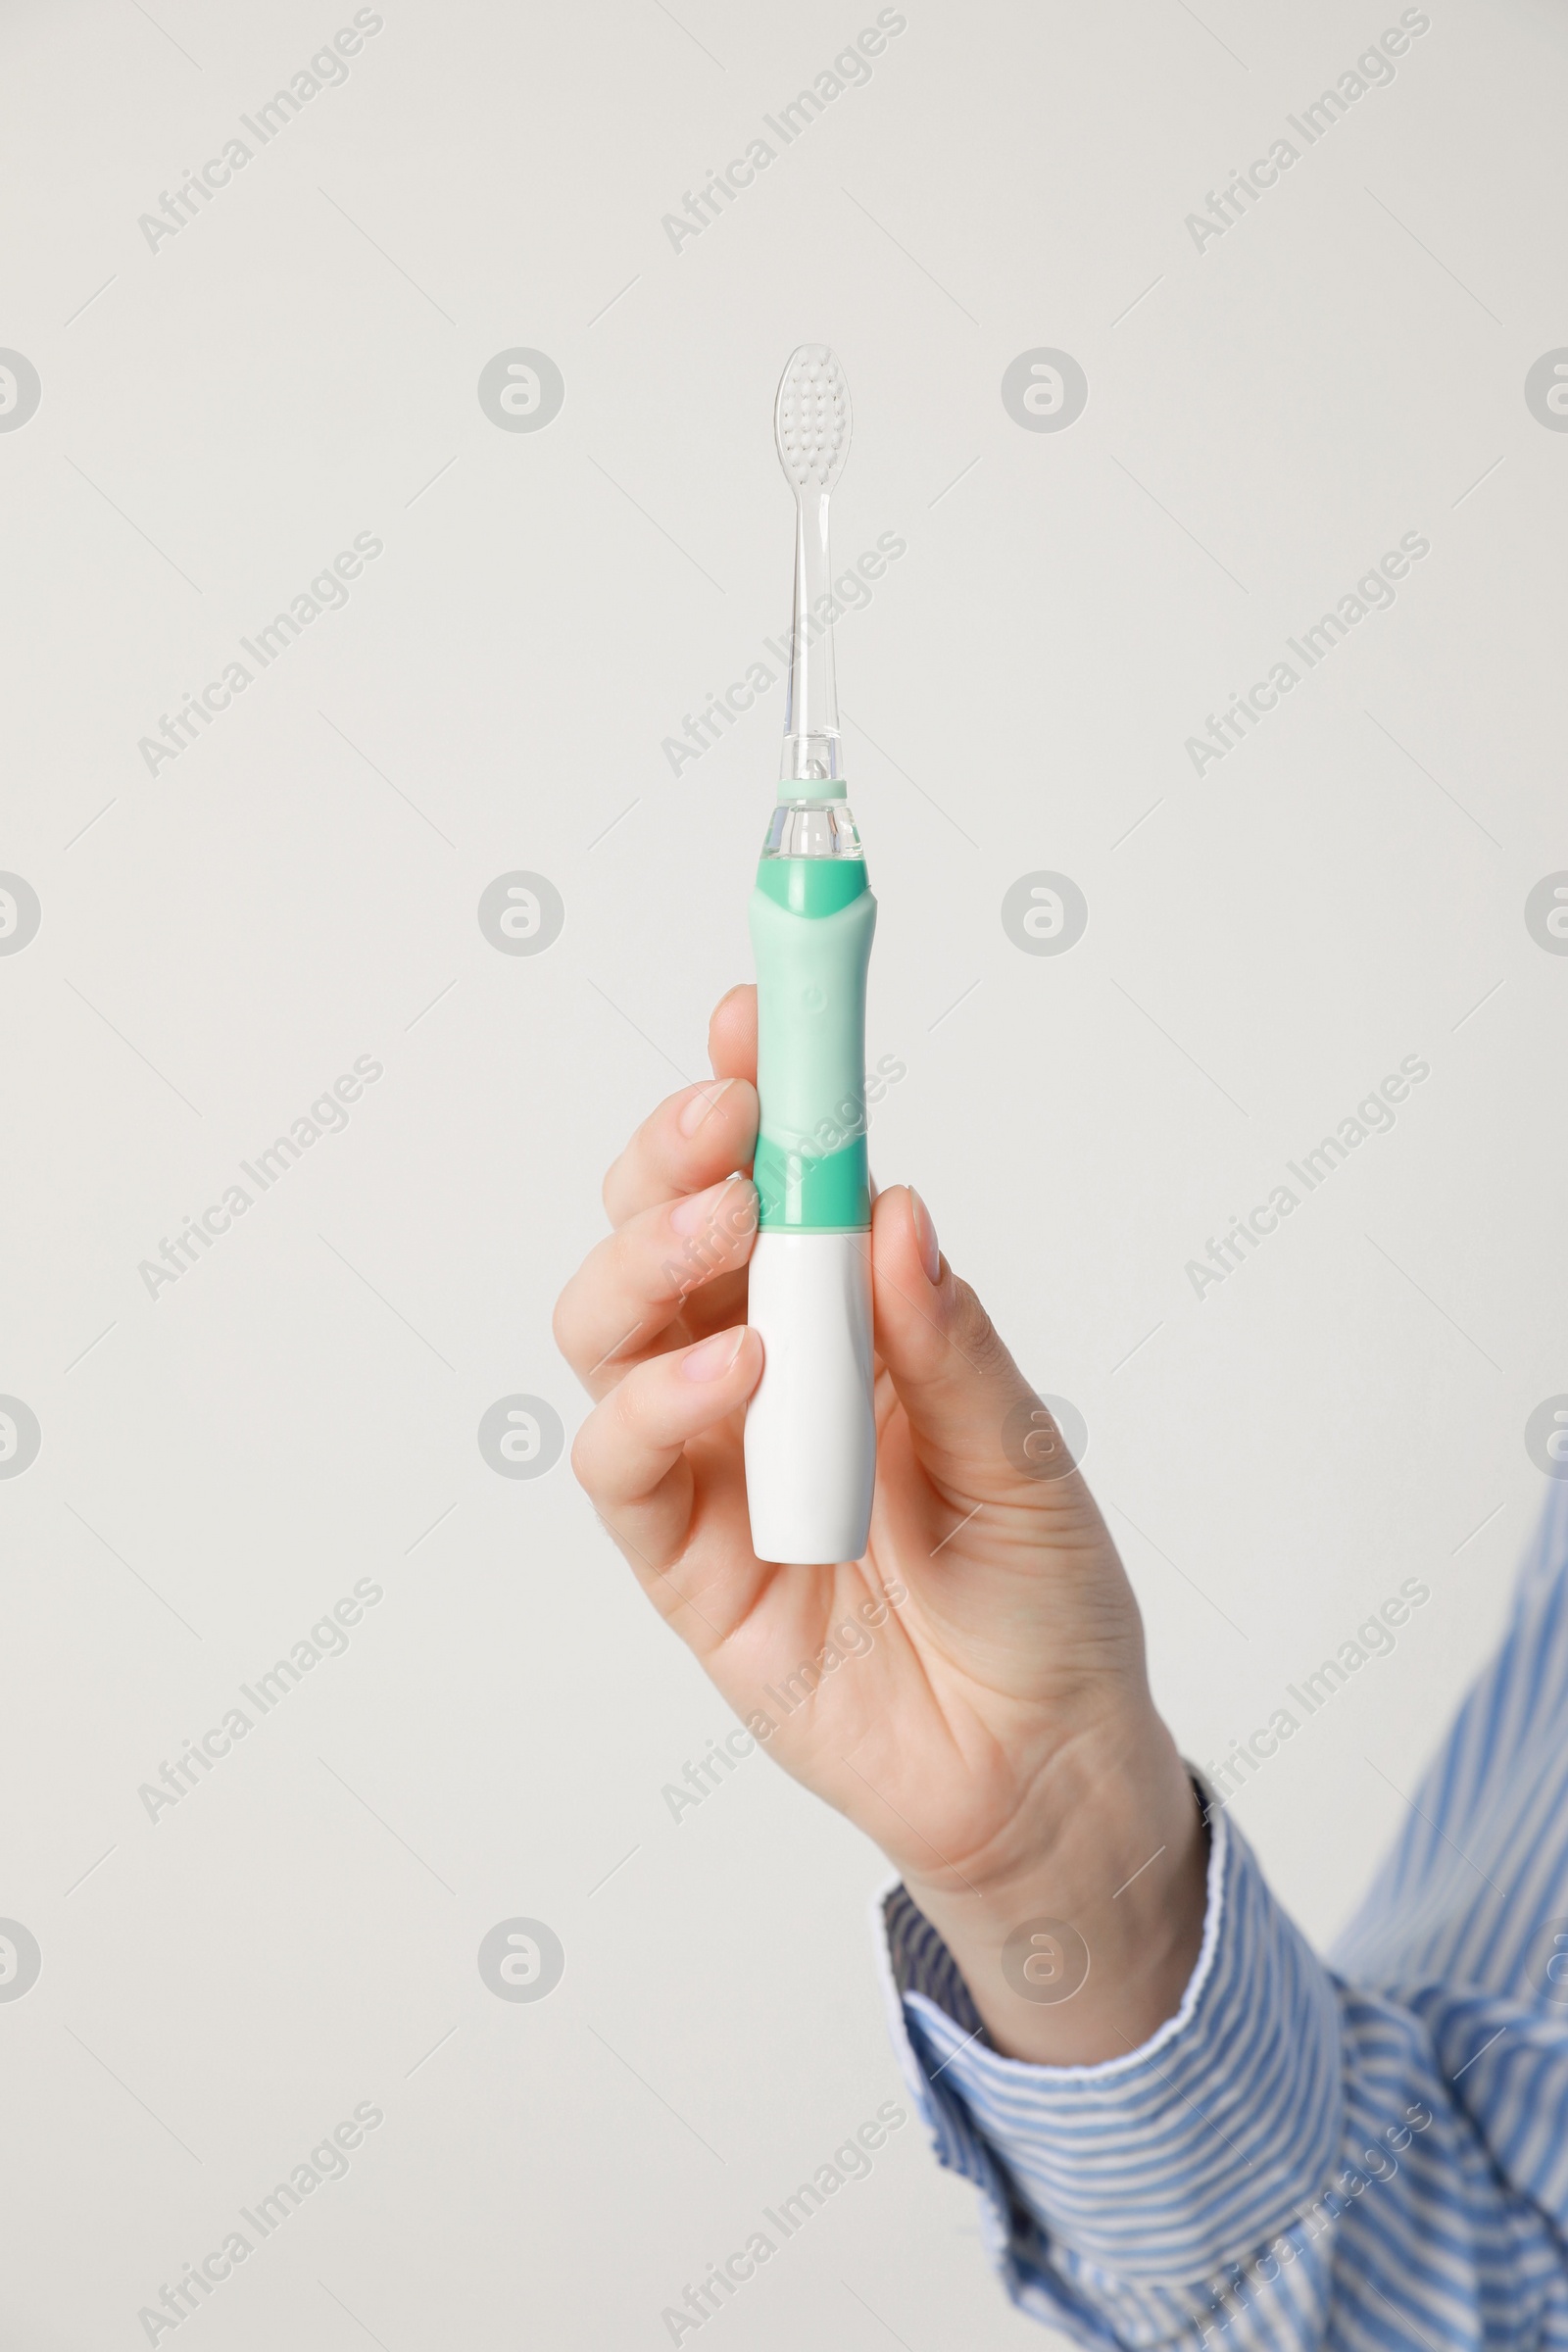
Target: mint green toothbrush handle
810, 1426
811, 921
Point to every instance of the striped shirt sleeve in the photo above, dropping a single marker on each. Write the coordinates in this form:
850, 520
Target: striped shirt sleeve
1372, 2156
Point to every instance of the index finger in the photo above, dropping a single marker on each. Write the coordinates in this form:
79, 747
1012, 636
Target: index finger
732, 1034
702, 1133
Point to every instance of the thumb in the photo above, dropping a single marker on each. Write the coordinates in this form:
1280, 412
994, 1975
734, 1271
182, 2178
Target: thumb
977, 1427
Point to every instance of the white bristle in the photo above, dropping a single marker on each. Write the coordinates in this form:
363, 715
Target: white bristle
811, 418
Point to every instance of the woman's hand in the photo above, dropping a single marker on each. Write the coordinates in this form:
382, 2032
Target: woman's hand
972, 1693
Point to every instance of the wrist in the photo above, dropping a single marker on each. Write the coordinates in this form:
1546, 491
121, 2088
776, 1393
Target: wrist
1082, 1953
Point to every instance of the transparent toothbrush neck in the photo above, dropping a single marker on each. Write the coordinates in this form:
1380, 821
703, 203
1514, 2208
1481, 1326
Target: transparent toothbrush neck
816, 828
810, 754
812, 817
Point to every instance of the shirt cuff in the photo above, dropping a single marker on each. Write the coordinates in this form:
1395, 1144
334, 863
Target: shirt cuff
1162, 2164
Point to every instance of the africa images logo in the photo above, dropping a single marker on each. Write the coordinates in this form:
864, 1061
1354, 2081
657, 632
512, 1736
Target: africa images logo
19, 390
1545, 390
522, 390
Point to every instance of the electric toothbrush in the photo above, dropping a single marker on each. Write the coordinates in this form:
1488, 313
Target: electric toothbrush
811, 1428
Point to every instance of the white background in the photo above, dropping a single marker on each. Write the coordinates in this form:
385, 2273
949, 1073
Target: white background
221, 1462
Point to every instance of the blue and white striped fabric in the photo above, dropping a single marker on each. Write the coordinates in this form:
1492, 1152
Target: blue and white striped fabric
1367, 2154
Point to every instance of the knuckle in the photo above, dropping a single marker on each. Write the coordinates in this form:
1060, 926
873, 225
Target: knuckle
609, 1433
626, 1408
981, 1340
582, 1454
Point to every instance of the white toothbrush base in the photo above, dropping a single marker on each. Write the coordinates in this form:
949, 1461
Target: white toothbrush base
810, 1427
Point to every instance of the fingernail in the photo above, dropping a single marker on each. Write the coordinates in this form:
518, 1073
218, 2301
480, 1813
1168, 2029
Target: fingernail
925, 1233
713, 1357
695, 1109
699, 1209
